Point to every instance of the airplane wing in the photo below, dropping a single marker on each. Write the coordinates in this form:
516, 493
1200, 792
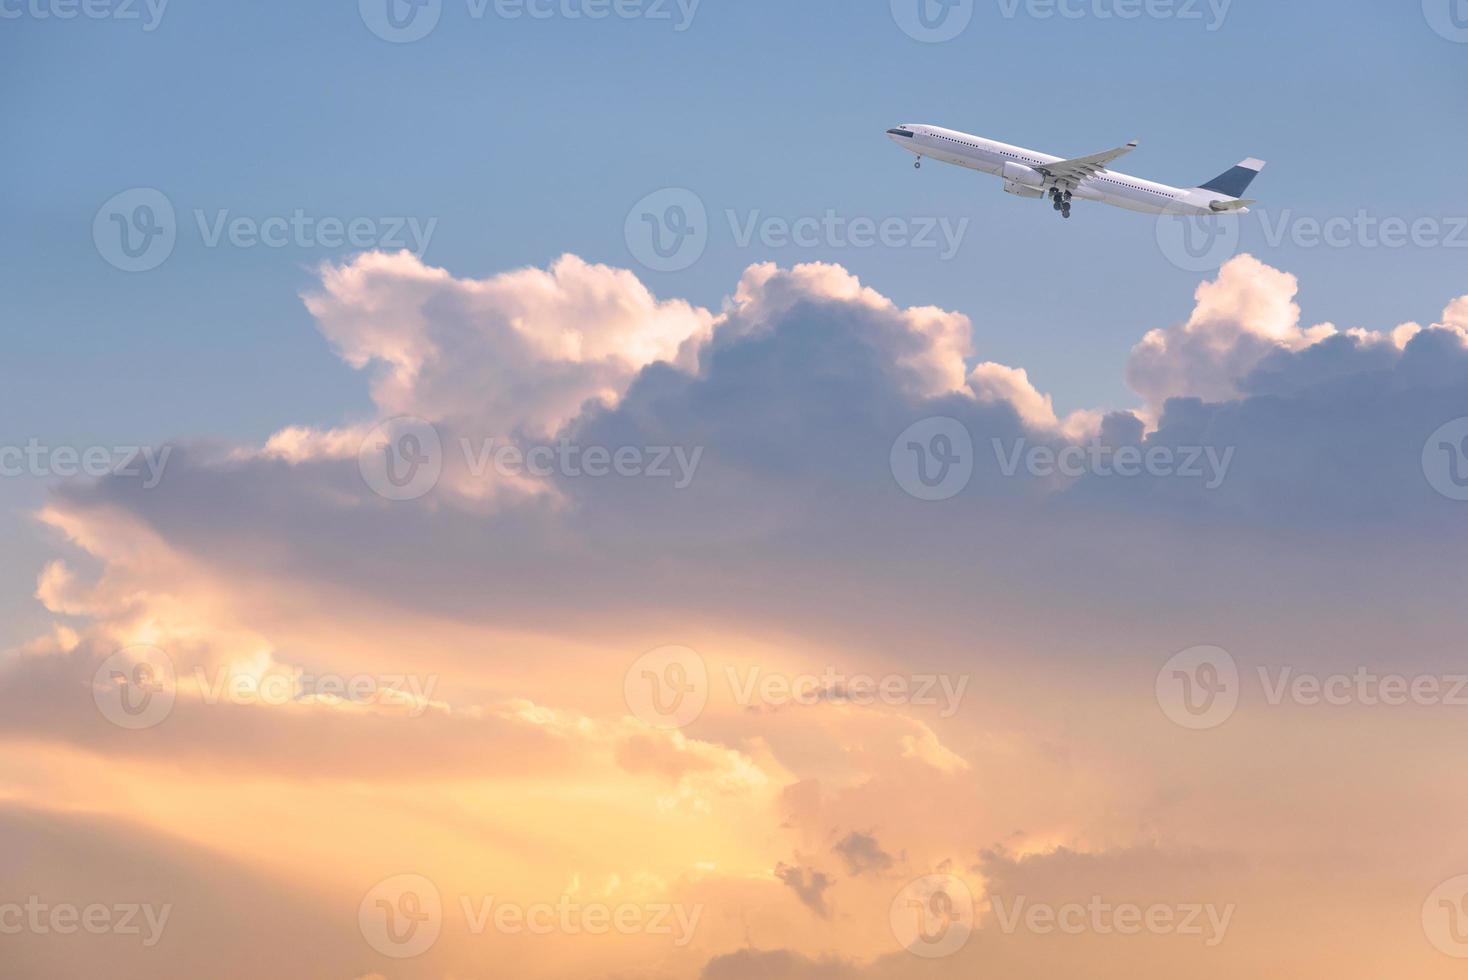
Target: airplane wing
1067, 174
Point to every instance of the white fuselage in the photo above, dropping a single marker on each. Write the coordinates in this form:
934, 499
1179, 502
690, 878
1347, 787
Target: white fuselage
1017, 166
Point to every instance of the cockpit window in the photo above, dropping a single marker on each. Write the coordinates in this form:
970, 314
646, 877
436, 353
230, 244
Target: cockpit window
901, 132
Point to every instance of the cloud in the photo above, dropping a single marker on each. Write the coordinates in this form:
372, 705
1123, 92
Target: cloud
809, 885
862, 854
1212, 914
210, 909
521, 350
794, 551
777, 964
1246, 322
1240, 317
794, 392
993, 383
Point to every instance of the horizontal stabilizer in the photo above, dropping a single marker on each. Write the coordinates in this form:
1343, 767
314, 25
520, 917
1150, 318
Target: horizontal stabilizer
1221, 206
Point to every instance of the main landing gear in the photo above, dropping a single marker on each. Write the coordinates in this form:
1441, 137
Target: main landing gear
1061, 201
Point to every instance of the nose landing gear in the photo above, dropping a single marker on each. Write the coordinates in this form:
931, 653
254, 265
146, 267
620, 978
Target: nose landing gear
918, 164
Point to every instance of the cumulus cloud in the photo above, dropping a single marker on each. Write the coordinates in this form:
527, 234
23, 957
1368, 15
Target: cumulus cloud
793, 393
993, 383
1246, 319
927, 344
524, 349
794, 550
1242, 316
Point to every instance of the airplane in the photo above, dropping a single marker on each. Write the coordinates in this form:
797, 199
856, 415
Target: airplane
1029, 173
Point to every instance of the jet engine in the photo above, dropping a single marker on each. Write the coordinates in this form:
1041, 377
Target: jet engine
1018, 173
1010, 187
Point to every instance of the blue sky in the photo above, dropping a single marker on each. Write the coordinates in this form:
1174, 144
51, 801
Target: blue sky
575, 597
528, 138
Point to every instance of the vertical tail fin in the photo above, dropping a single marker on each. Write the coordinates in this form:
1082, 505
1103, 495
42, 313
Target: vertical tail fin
1235, 181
